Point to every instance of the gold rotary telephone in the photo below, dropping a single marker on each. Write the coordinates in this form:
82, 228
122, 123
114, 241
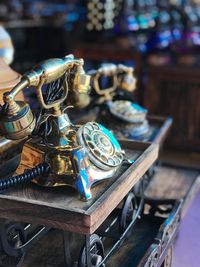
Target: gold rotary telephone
123, 79
57, 152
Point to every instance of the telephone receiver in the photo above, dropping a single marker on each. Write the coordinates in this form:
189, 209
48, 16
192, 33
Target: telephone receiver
59, 153
124, 80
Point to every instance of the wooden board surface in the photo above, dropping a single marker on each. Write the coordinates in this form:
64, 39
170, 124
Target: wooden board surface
171, 183
61, 207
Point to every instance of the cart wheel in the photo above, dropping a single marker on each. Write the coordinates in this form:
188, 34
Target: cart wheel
12, 236
168, 259
96, 252
129, 211
138, 189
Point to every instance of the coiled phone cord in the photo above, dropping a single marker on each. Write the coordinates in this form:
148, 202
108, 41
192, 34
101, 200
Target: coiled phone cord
25, 177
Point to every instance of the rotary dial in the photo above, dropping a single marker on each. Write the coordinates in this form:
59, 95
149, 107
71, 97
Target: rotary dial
102, 147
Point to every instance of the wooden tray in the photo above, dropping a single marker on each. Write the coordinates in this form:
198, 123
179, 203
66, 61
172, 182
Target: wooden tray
61, 207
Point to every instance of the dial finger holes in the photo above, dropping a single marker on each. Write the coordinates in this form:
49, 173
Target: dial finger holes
97, 152
91, 145
102, 147
88, 137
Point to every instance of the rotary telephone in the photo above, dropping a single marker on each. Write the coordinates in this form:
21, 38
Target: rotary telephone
58, 153
123, 80
130, 117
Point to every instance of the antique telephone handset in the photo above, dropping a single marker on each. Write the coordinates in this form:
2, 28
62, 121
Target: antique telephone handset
65, 154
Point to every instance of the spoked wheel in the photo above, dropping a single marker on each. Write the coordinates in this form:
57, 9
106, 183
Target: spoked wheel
168, 259
129, 211
133, 205
12, 236
96, 252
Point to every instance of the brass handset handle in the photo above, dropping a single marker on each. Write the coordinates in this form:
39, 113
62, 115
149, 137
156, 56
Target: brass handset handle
40, 95
45, 73
122, 77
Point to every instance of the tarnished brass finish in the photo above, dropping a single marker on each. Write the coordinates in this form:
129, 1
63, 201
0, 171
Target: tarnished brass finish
60, 163
45, 73
62, 169
106, 70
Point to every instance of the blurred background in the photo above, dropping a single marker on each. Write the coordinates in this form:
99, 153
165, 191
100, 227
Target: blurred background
160, 38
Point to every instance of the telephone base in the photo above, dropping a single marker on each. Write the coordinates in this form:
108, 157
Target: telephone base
69, 168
